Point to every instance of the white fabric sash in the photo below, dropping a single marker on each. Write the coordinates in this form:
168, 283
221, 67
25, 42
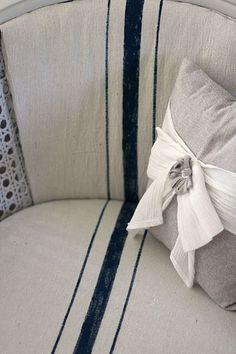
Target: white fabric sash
203, 212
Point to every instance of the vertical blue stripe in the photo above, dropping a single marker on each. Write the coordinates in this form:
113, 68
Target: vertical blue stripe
107, 98
132, 41
129, 293
145, 234
105, 282
156, 73
79, 279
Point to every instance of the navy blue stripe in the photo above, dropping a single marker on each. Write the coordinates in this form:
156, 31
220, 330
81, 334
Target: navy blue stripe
132, 40
105, 282
156, 73
79, 279
64, 2
129, 293
106, 99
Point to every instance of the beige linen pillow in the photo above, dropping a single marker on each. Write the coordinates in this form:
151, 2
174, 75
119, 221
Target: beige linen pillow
204, 116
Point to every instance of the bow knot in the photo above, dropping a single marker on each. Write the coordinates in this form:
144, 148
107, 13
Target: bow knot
181, 175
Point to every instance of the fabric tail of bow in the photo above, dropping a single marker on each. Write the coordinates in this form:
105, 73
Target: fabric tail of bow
150, 208
183, 263
198, 221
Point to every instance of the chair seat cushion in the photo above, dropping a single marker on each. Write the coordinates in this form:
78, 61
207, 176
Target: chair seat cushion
70, 281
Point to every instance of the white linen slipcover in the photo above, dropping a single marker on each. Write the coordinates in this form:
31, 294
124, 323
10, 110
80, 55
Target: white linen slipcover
149, 310
60, 246
101, 61
84, 80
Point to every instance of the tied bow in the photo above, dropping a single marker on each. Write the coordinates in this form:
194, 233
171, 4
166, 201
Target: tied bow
206, 204
181, 175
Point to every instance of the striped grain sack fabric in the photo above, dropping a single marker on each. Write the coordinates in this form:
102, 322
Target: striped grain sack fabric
115, 96
78, 284
120, 110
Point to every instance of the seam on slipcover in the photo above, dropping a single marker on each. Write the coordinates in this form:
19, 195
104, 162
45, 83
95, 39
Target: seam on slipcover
107, 100
156, 72
218, 12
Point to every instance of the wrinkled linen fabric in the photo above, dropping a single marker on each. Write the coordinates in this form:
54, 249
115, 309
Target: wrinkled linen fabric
204, 211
